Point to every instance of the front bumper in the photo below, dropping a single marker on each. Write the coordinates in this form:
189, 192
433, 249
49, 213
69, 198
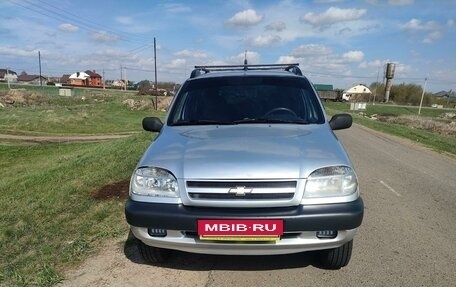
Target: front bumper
300, 226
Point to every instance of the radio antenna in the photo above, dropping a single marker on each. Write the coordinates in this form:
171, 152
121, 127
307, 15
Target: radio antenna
245, 60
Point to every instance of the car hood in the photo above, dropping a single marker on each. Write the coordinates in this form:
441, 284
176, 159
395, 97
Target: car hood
250, 151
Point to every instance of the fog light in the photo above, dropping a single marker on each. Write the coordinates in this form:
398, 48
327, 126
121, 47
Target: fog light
156, 232
323, 234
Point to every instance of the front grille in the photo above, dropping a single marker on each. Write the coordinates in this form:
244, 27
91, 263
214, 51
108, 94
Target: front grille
256, 196
247, 184
241, 190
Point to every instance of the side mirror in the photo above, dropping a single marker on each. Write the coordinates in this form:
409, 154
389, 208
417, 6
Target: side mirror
152, 124
341, 121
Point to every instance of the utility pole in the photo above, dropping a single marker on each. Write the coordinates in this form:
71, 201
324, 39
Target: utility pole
39, 61
376, 85
422, 96
449, 96
121, 76
7, 79
126, 81
104, 86
155, 63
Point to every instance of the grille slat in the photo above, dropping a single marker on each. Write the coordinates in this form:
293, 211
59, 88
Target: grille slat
246, 184
241, 190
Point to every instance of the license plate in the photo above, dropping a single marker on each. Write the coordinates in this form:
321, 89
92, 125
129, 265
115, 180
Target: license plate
240, 230
241, 238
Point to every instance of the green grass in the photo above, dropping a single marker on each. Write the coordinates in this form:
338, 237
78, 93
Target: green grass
54, 91
96, 114
440, 143
391, 110
49, 217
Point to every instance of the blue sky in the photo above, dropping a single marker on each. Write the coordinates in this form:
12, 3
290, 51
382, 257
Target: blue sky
335, 41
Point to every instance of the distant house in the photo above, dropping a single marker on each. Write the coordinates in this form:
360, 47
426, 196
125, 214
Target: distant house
87, 78
356, 92
65, 79
449, 96
118, 83
94, 79
31, 79
8, 75
78, 79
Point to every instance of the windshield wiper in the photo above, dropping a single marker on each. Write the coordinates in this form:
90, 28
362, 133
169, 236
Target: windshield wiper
199, 122
270, 121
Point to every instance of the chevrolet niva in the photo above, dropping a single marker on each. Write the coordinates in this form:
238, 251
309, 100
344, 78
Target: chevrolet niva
246, 163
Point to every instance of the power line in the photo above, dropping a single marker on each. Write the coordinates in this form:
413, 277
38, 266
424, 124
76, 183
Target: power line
138, 69
77, 17
60, 17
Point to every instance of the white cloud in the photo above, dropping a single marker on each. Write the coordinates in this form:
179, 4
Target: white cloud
353, 56
310, 50
276, 26
390, 2
191, 54
413, 24
67, 27
380, 64
124, 20
433, 36
117, 54
263, 40
252, 58
177, 8
176, 63
450, 23
320, 61
287, 60
402, 69
326, 1
372, 64
245, 18
400, 2
17, 52
434, 30
332, 16
103, 36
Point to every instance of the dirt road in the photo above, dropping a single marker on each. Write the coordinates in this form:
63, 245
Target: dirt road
407, 237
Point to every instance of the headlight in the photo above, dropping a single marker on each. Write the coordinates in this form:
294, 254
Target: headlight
331, 181
152, 181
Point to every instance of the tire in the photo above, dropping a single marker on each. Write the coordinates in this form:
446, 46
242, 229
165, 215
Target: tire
152, 254
335, 258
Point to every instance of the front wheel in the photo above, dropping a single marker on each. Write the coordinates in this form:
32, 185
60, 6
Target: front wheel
152, 254
335, 258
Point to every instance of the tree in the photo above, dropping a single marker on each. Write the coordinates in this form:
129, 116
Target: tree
406, 94
378, 90
144, 88
403, 93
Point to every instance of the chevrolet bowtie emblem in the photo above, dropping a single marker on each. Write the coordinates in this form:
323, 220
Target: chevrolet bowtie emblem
240, 190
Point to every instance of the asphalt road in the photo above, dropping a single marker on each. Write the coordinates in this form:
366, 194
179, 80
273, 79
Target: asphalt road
408, 236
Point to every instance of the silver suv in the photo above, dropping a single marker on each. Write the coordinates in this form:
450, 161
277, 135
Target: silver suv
246, 163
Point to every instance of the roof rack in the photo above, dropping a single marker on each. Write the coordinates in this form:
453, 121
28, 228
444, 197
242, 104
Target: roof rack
200, 70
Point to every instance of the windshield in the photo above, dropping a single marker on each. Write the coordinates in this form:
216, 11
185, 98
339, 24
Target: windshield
246, 99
